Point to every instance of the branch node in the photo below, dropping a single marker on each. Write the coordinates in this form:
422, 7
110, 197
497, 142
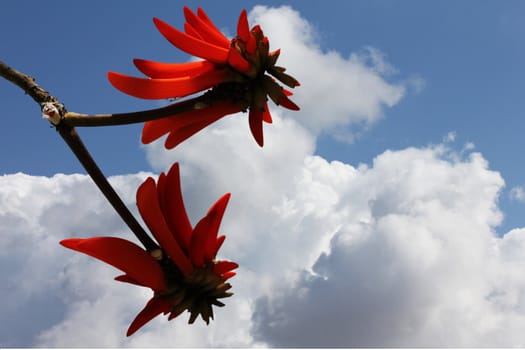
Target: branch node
53, 111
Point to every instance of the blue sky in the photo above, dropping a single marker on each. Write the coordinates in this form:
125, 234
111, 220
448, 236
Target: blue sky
457, 68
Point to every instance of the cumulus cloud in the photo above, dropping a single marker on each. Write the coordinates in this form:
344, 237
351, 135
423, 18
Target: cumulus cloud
35, 213
335, 91
450, 137
421, 266
328, 251
517, 193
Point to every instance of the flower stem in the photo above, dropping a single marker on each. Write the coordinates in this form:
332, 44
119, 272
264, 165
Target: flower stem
71, 137
77, 119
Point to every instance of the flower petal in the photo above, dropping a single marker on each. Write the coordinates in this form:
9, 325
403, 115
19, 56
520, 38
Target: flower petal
192, 45
251, 45
182, 126
256, 126
198, 241
161, 192
204, 237
209, 34
204, 17
124, 255
243, 29
128, 279
218, 243
176, 137
182, 129
228, 275
155, 129
266, 116
174, 209
166, 196
153, 308
272, 57
223, 266
172, 70
287, 103
278, 72
287, 92
154, 89
238, 62
188, 29
149, 208
216, 214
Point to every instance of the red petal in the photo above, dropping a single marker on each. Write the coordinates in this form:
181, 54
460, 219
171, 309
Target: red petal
182, 129
243, 29
238, 62
153, 308
178, 136
128, 279
204, 17
227, 275
188, 29
154, 89
192, 45
174, 209
266, 116
198, 239
218, 244
124, 255
156, 128
209, 34
172, 70
255, 121
287, 103
187, 123
148, 205
161, 192
287, 92
216, 214
166, 196
223, 266
251, 45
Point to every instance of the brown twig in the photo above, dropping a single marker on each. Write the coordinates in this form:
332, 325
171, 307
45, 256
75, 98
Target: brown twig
77, 119
73, 140
26, 83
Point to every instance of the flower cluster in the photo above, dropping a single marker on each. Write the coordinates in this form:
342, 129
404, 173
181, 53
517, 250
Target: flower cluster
180, 265
183, 272
235, 71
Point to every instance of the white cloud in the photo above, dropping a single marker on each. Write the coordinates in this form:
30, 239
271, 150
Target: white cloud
407, 241
416, 83
35, 213
335, 91
450, 137
469, 146
517, 193
419, 267
404, 247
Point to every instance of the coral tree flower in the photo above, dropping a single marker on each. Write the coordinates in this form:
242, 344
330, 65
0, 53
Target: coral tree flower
183, 273
235, 71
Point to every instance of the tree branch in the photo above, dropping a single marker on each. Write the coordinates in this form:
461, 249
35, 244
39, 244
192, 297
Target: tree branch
72, 139
77, 119
26, 83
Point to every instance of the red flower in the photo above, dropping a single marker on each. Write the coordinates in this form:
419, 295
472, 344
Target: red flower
183, 272
234, 70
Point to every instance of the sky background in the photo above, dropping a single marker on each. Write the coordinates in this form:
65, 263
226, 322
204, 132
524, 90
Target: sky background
387, 212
